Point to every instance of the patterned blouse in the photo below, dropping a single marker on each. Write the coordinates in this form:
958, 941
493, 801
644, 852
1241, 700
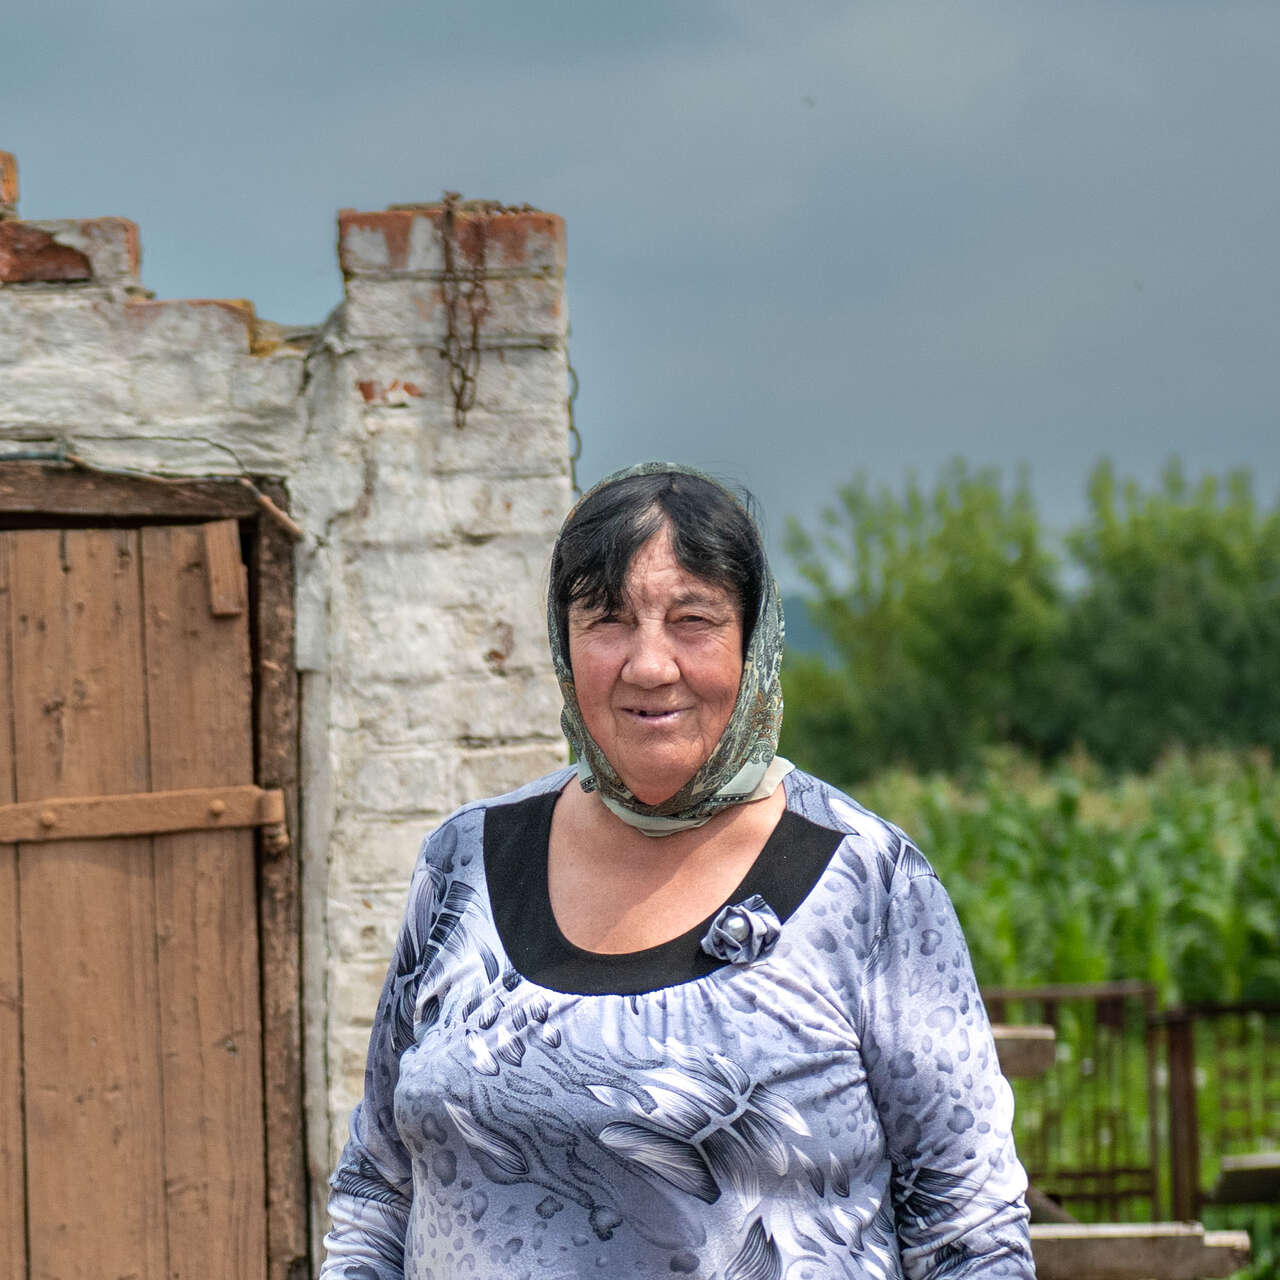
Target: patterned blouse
804, 1086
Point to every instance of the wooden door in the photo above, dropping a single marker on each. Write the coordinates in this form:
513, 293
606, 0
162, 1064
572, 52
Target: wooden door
131, 1126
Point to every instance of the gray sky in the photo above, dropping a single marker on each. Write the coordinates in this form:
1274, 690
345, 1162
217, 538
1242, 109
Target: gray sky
803, 239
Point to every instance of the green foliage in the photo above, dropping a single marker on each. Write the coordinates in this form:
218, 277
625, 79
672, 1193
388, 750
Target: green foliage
954, 629
1176, 636
1063, 876
947, 602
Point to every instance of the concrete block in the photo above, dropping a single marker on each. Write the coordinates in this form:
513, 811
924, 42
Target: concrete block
522, 307
393, 308
349, 1051
476, 505
530, 308
523, 380
477, 710
354, 989
455, 573
400, 452
67, 389
401, 780
407, 507
261, 384
329, 481
494, 772
364, 929
376, 850
167, 327
415, 642
74, 322
422, 642
267, 443
184, 451
14, 325
174, 386
396, 375
532, 443
112, 246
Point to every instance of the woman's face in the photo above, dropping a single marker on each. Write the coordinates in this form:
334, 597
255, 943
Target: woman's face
656, 683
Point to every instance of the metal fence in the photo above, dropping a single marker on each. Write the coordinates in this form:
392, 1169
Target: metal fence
1088, 1129
1224, 1092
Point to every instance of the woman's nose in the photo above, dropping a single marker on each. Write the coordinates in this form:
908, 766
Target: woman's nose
650, 660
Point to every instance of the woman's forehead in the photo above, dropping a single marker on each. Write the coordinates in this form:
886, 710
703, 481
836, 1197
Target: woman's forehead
656, 572
655, 578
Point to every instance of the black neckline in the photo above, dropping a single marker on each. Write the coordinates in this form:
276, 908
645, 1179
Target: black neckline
516, 839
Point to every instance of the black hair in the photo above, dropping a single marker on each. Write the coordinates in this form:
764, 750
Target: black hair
713, 537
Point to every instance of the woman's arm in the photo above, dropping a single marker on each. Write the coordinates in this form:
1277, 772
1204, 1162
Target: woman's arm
371, 1189
946, 1109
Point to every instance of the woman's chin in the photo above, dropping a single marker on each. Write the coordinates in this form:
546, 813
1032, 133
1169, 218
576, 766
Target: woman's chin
654, 790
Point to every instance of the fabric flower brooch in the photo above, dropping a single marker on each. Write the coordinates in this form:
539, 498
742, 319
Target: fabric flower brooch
743, 932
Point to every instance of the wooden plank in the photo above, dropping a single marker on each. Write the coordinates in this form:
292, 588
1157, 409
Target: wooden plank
1184, 1128
228, 585
13, 1227
278, 901
141, 813
95, 1178
56, 489
1248, 1179
1141, 1251
1024, 1051
199, 691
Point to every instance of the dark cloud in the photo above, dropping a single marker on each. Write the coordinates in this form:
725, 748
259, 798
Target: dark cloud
803, 239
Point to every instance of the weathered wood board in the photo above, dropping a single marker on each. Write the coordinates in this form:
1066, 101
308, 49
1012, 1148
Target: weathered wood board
137, 958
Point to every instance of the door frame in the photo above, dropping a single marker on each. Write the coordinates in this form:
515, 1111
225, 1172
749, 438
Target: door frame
44, 494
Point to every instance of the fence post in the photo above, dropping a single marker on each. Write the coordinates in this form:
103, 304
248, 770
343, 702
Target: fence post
1151, 1050
1184, 1137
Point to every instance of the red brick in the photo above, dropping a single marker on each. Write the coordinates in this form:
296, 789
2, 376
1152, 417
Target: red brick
392, 393
394, 225
506, 237
8, 184
28, 254
511, 239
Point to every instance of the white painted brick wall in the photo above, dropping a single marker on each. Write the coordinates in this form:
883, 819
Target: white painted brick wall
422, 658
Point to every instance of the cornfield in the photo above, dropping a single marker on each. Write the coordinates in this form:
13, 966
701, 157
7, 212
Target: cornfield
1064, 875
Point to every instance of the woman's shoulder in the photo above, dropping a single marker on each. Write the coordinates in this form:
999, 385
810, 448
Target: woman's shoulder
870, 841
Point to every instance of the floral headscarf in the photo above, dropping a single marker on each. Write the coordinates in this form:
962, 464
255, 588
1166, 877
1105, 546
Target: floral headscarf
742, 766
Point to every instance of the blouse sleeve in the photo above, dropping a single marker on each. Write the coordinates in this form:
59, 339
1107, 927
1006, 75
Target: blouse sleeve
946, 1109
371, 1188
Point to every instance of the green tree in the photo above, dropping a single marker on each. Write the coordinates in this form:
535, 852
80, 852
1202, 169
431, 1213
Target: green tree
953, 629
943, 607
1174, 637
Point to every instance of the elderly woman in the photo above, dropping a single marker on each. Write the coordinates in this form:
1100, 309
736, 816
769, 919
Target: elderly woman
681, 1008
